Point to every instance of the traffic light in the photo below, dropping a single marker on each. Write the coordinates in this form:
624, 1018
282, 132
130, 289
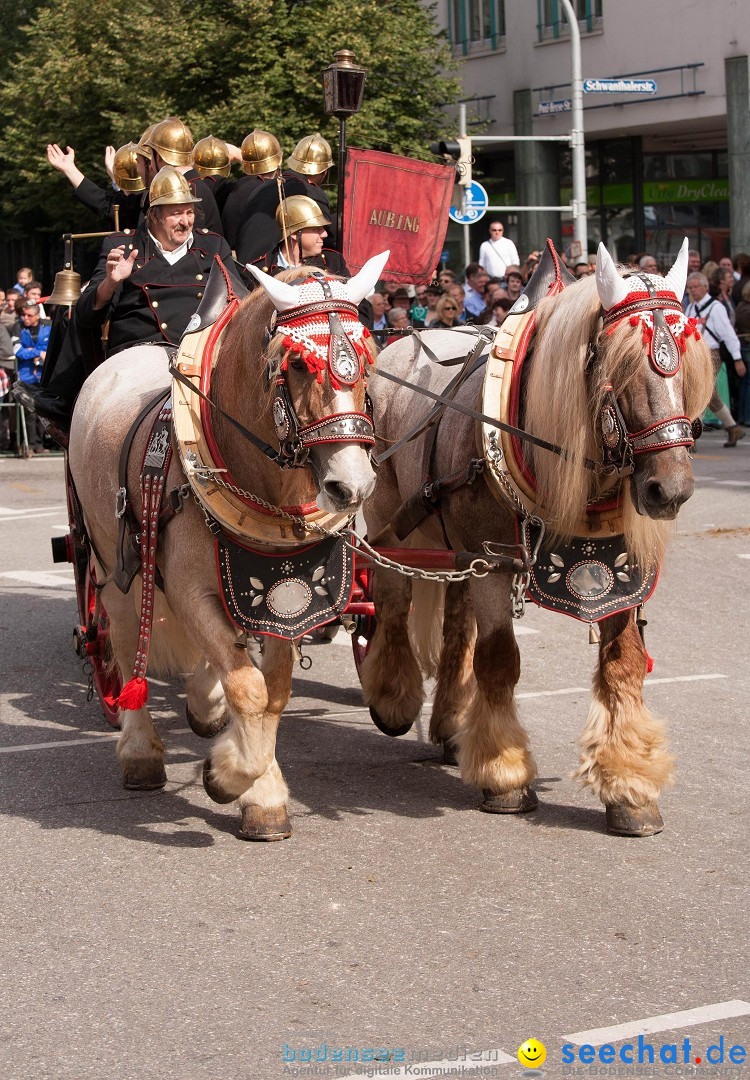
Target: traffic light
459, 151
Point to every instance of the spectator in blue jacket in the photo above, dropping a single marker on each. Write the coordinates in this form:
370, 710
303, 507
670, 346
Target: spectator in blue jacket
30, 344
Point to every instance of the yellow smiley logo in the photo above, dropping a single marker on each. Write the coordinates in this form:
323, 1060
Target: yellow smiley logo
532, 1053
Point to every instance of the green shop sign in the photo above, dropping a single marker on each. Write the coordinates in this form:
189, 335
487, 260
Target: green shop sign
654, 191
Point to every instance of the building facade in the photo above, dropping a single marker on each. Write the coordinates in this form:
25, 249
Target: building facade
668, 161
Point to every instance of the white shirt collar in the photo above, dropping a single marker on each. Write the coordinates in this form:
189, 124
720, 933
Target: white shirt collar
172, 256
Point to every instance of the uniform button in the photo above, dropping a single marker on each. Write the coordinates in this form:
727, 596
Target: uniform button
145, 288
139, 266
199, 295
154, 303
164, 326
204, 230
199, 277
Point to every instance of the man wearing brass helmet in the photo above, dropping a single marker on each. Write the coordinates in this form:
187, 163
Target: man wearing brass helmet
261, 158
212, 160
128, 174
171, 143
309, 162
304, 228
307, 169
146, 285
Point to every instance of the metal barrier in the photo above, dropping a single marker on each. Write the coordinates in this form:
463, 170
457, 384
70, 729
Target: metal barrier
17, 413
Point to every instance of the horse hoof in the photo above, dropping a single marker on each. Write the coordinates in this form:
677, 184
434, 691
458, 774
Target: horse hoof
145, 776
206, 731
625, 820
263, 823
392, 731
517, 801
211, 787
450, 752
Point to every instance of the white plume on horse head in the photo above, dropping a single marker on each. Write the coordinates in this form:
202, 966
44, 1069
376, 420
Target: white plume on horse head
611, 287
362, 284
286, 296
677, 277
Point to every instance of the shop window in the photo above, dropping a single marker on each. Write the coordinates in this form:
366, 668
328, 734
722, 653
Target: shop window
477, 24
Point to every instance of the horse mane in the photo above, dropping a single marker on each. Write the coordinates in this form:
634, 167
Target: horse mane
563, 404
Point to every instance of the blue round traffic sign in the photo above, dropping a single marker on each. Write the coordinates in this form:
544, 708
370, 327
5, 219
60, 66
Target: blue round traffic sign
476, 203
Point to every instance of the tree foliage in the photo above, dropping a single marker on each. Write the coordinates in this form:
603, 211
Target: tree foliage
92, 75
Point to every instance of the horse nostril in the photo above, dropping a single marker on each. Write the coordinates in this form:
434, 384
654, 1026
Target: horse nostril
655, 494
338, 492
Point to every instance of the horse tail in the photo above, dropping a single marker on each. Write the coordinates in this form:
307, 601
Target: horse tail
426, 624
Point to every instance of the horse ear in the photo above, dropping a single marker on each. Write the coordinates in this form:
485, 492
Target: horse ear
677, 276
284, 295
365, 281
611, 287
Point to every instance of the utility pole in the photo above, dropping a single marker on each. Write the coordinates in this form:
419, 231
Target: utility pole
580, 222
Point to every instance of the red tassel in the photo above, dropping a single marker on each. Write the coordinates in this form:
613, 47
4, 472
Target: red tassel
133, 696
649, 661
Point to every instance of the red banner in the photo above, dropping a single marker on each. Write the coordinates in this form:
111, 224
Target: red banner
397, 203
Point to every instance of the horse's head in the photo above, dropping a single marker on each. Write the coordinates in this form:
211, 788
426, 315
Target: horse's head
648, 397
317, 361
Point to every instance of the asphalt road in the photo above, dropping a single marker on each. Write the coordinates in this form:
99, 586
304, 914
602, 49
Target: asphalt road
141, 938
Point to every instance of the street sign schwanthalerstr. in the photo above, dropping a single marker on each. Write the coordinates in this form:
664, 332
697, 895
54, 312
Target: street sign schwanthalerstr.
620, 86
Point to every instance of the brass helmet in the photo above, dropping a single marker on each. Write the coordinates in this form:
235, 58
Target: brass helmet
261, 152
173, 141
300, 212
170, 188
211, 157
125, 168
311, 155
143, 141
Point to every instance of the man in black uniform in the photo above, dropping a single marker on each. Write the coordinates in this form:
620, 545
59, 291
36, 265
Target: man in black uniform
261, 158
303, 228
147, 285
307, 170
213, 163
128, 173
172, 144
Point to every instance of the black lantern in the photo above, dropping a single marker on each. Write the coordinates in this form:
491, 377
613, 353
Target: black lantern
343, 87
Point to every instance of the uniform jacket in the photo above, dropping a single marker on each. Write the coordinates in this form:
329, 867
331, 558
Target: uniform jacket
259, 233
206, 212
103, 203
236, 206
155, 303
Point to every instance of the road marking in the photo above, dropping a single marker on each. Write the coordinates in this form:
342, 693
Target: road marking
482, 1059
50, 579
93, 738
30, 511
665, 1022
649, 682
342, 638
733, 483
743, 556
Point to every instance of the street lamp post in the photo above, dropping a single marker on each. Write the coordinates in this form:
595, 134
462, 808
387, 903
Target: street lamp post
580, 221
343, 87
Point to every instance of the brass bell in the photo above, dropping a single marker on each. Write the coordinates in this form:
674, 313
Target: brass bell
67, 288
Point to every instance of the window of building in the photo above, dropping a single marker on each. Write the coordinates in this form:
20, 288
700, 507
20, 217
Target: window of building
477, 24
552, 23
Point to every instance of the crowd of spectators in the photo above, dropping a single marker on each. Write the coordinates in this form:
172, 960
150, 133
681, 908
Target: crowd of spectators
451, 300
24, 334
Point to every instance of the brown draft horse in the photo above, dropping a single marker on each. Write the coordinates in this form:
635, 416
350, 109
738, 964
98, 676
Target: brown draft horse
227, 689
624, 756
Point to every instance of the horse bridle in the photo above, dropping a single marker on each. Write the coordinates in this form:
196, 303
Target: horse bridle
620, 446
344, 368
